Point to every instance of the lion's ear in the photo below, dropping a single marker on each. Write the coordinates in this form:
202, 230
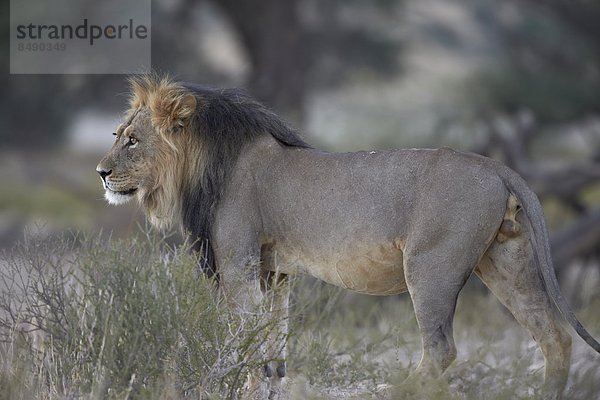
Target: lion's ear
186, 108
173, 110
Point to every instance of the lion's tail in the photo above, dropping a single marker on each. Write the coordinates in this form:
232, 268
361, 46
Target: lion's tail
541, 250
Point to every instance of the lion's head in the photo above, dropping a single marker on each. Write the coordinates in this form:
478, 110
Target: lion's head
176, 146
147, 161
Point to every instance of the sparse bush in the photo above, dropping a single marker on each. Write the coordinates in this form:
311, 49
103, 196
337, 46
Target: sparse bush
98, 318
338, 341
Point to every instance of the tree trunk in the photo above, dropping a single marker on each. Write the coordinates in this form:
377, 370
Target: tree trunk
277, 47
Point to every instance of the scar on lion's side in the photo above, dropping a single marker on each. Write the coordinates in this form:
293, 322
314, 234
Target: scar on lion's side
510, 227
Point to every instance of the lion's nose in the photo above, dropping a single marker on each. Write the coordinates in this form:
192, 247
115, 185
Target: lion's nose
103, 173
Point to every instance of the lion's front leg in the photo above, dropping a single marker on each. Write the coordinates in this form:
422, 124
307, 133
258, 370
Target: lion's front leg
240, 282
276, 289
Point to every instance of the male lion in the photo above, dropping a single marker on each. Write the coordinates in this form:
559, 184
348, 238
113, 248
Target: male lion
263, 204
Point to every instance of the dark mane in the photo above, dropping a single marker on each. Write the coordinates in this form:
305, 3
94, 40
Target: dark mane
226, 120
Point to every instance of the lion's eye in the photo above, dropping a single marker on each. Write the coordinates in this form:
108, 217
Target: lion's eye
132, 141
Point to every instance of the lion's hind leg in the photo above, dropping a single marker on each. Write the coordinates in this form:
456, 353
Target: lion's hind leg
434, 302
438, 260
508, 270
434, 283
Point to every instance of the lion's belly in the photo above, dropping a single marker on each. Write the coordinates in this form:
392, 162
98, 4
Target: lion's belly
376, 270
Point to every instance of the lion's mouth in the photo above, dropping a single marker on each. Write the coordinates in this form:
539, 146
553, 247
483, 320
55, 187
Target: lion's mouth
125, 192
118, 196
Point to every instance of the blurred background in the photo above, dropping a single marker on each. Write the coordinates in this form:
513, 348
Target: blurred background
518, 81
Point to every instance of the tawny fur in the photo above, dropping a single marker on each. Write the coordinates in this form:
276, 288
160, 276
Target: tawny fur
172, 108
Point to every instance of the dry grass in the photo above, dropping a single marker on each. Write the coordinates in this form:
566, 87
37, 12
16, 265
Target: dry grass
95, 318
370, 341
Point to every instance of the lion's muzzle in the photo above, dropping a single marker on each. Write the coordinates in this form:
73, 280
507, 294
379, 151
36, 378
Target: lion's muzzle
103, 173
